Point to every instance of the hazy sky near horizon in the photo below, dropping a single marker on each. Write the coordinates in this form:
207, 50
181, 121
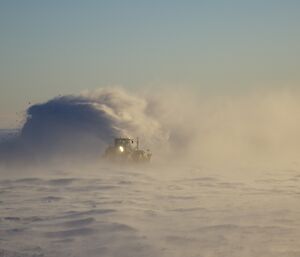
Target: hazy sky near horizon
56, 47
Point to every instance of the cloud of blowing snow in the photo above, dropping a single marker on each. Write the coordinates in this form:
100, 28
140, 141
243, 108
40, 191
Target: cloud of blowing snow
252, 127
84, 124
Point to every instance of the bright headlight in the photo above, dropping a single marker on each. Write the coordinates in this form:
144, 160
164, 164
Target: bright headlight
121, 148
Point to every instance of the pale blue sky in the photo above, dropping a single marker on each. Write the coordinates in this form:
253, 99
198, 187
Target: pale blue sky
58, 46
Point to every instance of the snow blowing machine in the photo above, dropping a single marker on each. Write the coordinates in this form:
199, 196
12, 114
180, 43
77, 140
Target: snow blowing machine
127, 150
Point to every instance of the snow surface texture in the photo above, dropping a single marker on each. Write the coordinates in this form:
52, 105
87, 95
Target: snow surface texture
224, 180
150, 211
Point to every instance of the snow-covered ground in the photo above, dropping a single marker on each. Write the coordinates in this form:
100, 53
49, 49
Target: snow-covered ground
150, 211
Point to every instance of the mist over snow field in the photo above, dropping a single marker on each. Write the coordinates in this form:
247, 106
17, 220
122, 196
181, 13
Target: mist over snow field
224, 180
150, 211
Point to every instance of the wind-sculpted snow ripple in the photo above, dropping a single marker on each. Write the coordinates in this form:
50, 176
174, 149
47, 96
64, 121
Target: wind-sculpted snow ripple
141, 211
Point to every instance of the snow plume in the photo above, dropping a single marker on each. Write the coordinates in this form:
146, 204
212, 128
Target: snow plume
176, 125
84, 124
246, 128
259, 127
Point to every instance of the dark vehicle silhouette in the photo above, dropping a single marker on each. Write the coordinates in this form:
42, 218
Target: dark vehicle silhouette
127, 150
